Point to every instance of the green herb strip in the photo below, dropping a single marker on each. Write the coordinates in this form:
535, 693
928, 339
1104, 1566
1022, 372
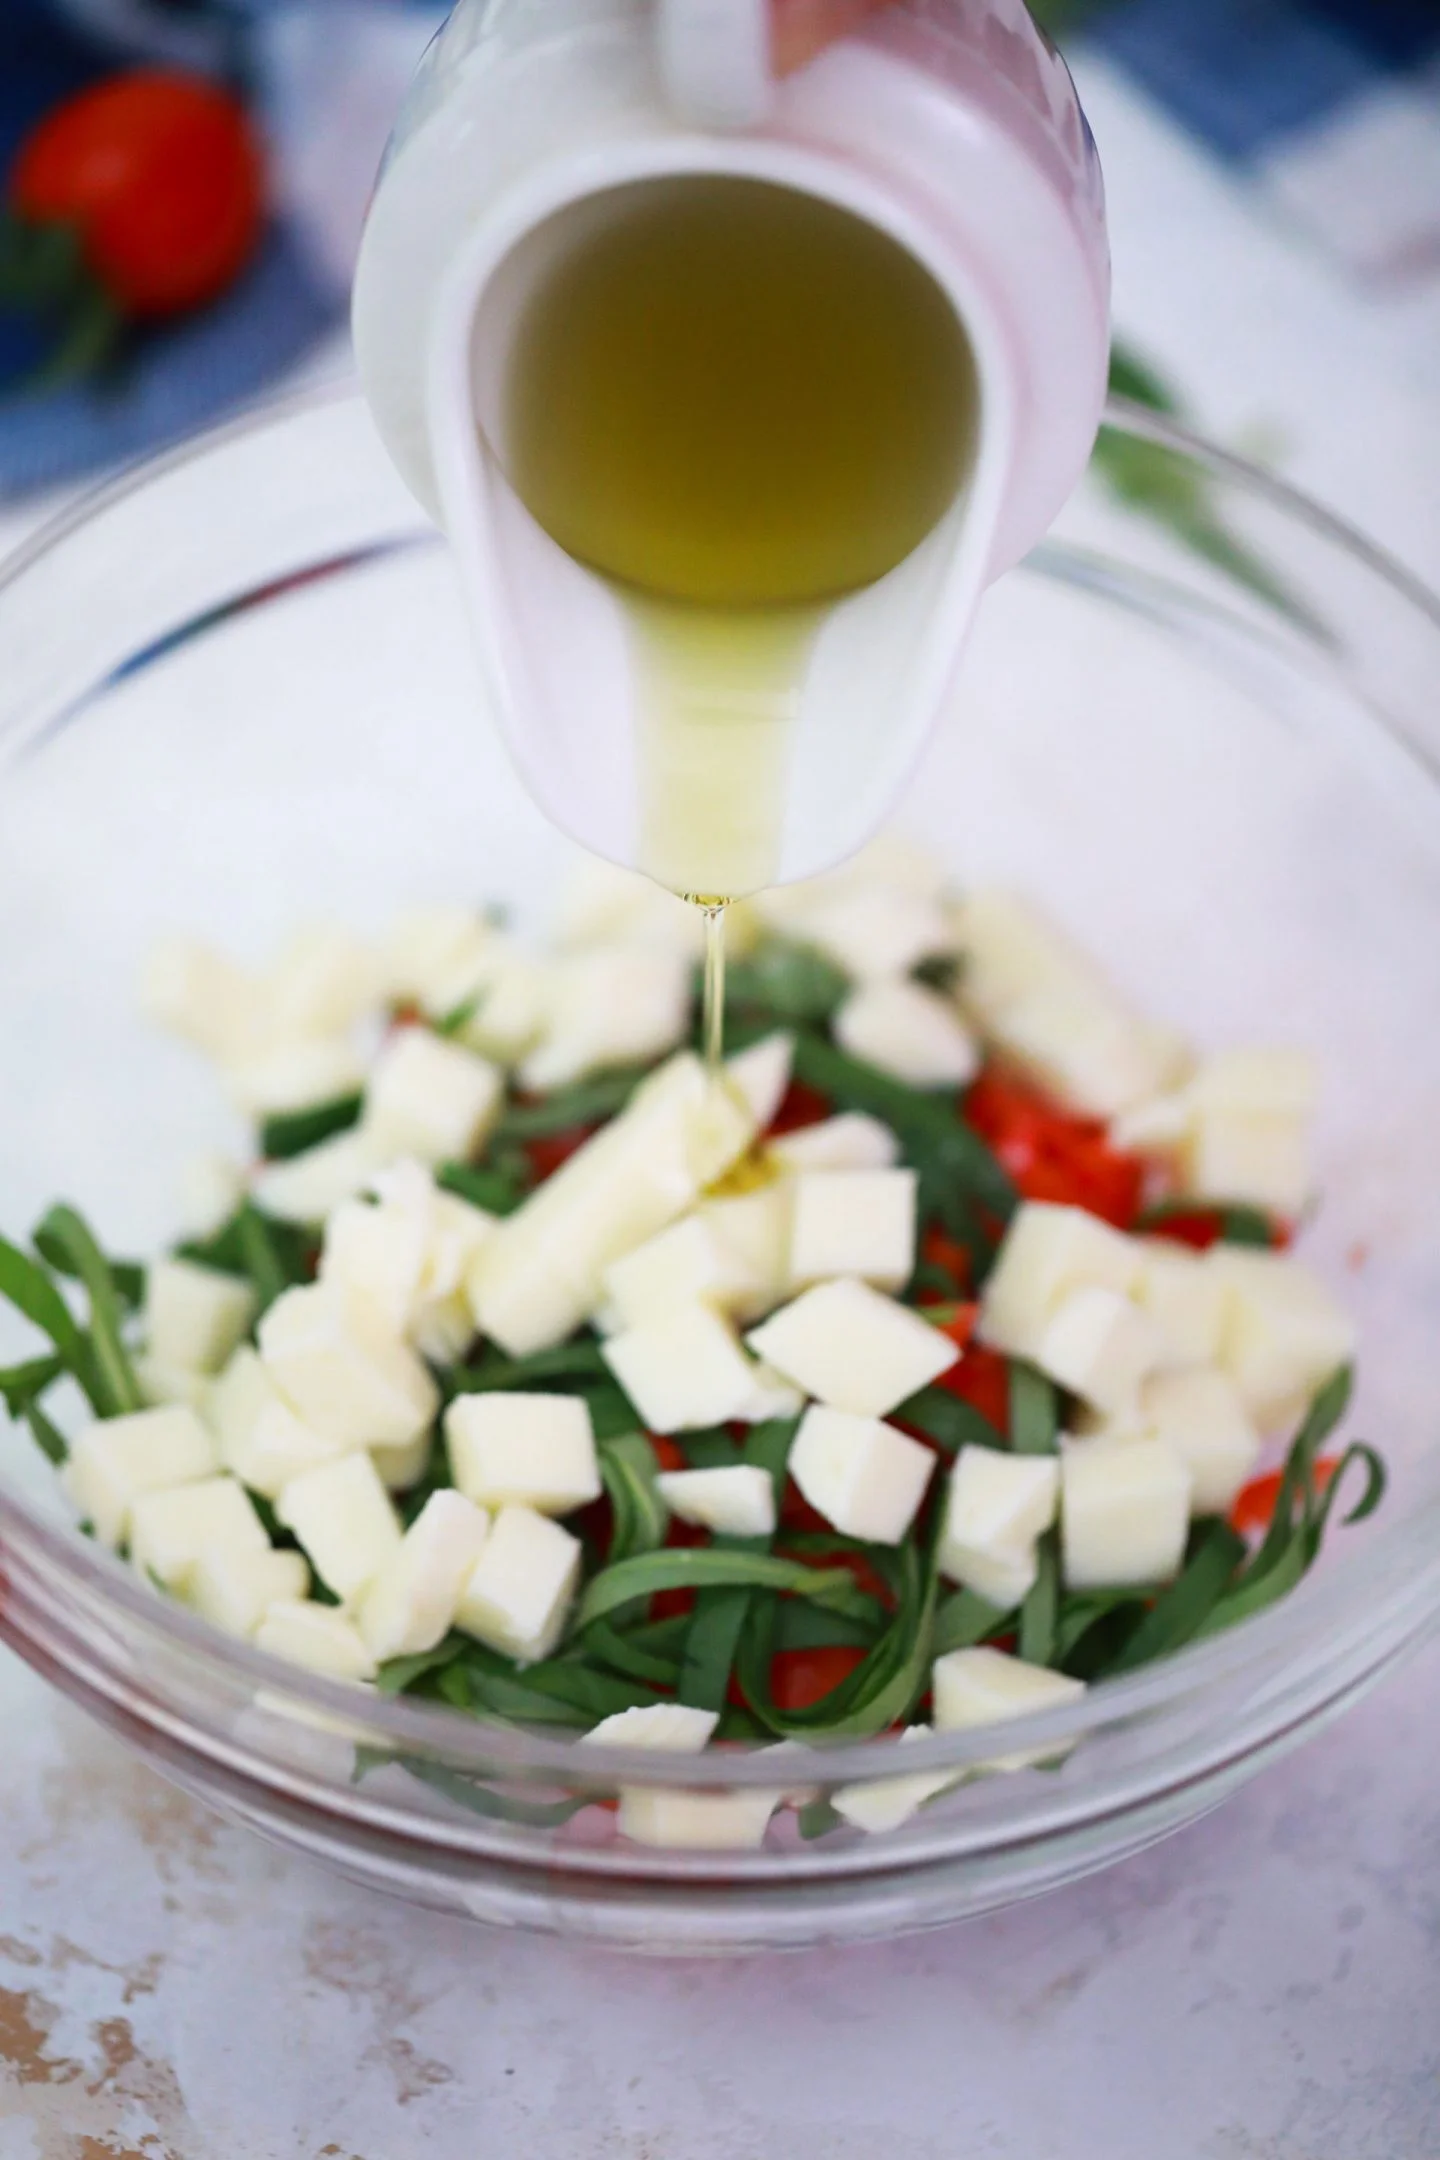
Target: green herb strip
22, 1385
494, 1190
25, 1284
640, 1517
601, 1095
1040, 1611
573, 1361
68, 1232
1237, 1225
1034, 1411
780, 982
965, 1619
294, 1132
947, 1420
1179, 1612
702, 1567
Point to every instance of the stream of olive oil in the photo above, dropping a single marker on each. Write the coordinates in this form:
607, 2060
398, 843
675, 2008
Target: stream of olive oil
738, 403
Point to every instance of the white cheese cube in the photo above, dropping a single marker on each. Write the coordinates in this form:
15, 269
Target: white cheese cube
233, 1587
236, 1399
682, 1265
865, 1477
537, 1450
519, 1591
1198, 1412
212, 1187
113, 1463
293, 1075
459, 1234
342, 1516
881, 1804
160, 1383
206, 999
875, 930
752, 1230
762, 1075
735, 1499
324, 981
771, 1396
613, 1005
671, 1727
1080, 1044
380, 1252
511, 1008
903, 1028
431, 1098
1100, 1346
695, 1821
194, 1316
1284, 1333
852, 1141
1124, 1512
398, 1468
317, 1637
275, 1448
412, 1600
1047, 1252
334, 1359
1258, 1082
1256, 1157
542, 1272
444, 1329
307, 1187
997, 1505
852, 1348
1156, 1126
683, 1370
853, 1222
984, 1686
1185, 1298
434, 957
171, 1530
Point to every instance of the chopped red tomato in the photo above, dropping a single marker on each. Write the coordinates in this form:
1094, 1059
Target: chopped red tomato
981, 1378
1202, 1227
961, 1327
668, 1453
1052, 1155
801, 1678
1254, 1510
942, 1251
552, 1149
802, 1105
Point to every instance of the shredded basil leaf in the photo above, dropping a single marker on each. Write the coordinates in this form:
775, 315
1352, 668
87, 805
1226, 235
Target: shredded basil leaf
67, 1231
1034, 1411
294, 1132
1040, 1610
966, 1619
498, 1192
586, 1102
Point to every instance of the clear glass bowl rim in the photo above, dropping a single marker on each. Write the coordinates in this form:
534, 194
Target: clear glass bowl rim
1395, 1577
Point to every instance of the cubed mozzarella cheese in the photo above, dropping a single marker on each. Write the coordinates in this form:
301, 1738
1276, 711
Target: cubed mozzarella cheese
1124, 1512
1186, 1299
762, 1075
317, 1637
212, 1186
881, 1804
435, 957
1284, 1333
459, 1234
865, 1477
1198, 1412
1256, 1157
683, 1370
233, 1587
398, 1468
510, 1008
853, 1222
342, 1516
171, 1530
194, 1316
307, 1187
335, 1360
984, 1686
683, 1265
275, 1447
1100, 1346
379, 1251
903, 1028
160, 1383
670, 1727
1079, 1043
1264, 1082
734, 1499
752, 1231
113, 1463
412, 1601
324, 981
542, 1272
771, 1396
614, 1005
236, 1399
853, 1348
695, 1821
1047, 1253
206, 999
851, 1141
518, 1593
444, 1329
997, 1505
293, 1075
431, 1098
536, 1450
873, 930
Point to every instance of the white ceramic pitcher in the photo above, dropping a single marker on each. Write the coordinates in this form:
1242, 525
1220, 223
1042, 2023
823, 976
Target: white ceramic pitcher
952, 125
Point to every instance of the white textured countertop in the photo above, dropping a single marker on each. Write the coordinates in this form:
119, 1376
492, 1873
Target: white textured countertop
1265, 1986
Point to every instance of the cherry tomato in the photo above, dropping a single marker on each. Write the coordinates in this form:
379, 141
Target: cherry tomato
802, 1105
162, 174
1052, 1155
668, 1453
550, 1150
944, 1252
1254, 1510
801, 1678
982, 1379
961, 1327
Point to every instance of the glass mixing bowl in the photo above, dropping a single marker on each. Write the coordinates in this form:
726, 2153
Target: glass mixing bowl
235, 694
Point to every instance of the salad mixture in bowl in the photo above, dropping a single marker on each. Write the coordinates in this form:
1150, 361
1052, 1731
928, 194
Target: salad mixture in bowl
940, 1354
